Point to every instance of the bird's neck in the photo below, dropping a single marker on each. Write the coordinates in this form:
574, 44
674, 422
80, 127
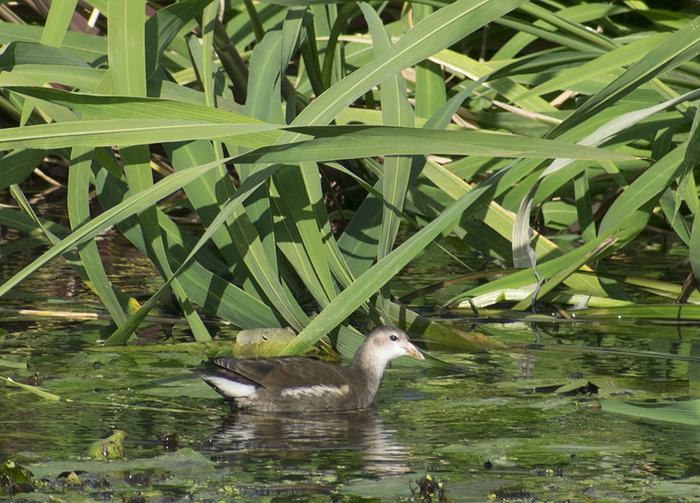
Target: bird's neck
369, 366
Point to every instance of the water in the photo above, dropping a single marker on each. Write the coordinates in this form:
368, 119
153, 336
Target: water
489, 425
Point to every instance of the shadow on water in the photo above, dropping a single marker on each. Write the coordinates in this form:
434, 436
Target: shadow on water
368, 446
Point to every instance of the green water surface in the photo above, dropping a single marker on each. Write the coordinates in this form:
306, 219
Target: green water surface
490, 426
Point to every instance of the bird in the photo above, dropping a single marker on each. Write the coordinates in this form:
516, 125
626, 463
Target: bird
292, 384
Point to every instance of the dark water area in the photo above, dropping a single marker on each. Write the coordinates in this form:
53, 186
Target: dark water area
494, 425
564, 411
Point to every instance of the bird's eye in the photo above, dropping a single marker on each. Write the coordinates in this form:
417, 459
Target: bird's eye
393, 338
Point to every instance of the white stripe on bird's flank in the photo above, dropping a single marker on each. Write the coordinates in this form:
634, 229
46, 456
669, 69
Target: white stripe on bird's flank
316, 390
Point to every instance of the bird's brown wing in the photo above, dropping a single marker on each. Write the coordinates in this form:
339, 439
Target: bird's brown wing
285, 371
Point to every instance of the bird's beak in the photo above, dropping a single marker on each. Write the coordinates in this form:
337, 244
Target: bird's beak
411, 350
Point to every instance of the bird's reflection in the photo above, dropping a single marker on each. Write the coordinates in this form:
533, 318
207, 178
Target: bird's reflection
359, 434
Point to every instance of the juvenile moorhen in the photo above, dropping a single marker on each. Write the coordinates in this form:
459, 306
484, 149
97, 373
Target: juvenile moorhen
301, 384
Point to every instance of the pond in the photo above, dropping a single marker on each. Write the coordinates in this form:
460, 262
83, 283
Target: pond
488, 426
562, 412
